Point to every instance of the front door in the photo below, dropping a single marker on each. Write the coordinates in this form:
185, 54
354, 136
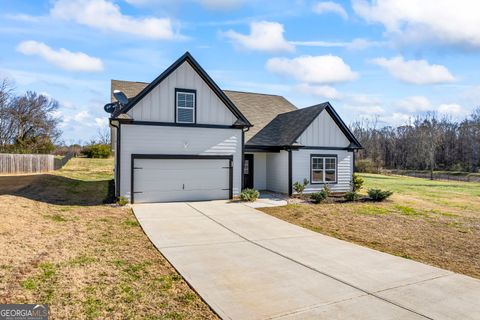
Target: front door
248, 171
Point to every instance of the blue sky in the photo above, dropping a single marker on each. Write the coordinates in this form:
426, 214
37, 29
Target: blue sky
387, 59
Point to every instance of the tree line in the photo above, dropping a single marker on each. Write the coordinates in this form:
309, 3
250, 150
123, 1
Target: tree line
27, 122
425, 143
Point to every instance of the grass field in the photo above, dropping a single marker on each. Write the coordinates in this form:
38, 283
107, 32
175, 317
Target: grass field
60, 245
435, 222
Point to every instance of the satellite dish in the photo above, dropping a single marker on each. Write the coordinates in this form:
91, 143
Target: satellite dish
121, 97
110, 107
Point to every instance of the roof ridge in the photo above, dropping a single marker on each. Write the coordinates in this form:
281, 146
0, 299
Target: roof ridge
320, 105
259, 93
130, 81
185, 58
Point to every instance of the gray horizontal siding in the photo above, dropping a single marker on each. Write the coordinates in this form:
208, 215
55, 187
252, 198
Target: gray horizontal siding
178, 140
301, 169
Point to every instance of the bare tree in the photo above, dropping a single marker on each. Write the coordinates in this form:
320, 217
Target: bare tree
427, 143
6, 122
27, 122
103, 136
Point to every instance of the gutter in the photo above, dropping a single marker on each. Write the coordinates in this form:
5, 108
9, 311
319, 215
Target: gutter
117, 155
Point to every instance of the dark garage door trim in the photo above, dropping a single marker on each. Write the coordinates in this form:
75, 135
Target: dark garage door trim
180, 157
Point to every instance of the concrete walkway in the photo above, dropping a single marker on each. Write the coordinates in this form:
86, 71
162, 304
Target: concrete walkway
248, 265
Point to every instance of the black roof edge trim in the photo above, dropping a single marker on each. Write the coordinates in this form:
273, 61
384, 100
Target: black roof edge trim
311, 120
331, 111
252, 148
175, 124
203, 74
326, 148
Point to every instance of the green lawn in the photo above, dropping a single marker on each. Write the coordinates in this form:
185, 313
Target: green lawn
88, 260
460, 197
435, 222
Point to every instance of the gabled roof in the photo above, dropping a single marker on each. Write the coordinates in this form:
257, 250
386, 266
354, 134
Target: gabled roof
187, 57
259, 108
286, 128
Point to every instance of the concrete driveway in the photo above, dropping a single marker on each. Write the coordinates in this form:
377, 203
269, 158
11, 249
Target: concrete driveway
248, 265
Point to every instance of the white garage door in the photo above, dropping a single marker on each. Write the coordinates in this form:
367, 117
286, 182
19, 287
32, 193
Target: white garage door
164, 180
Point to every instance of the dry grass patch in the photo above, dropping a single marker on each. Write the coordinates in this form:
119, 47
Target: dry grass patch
85, 259
413, 224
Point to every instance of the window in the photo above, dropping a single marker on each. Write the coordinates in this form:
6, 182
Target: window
246, 167
324, 169
185, 108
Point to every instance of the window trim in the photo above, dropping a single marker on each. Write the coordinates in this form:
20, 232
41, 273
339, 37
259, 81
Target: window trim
188, 91
324, 156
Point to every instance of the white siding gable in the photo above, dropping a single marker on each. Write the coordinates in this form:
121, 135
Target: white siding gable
159, 104
323, 132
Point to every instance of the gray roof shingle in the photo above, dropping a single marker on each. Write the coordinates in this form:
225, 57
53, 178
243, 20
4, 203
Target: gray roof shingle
285, 128
130, 88
276, 121
258, 108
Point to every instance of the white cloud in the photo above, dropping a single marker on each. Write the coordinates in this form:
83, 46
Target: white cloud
326, 69
366, 111
442, 21
364, 100
101, 122
355, 44
264, 36
24, 17
415, 71
414, 104
365, 105
452, 109
327, 92
106, 15
329, 6
397, 119
72, 61
28, 78
82, 116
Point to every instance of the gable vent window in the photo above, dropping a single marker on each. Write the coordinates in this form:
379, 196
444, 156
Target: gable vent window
185, 106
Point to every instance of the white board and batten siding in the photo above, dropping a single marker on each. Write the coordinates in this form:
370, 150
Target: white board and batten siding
323, 132
159, 104
146, 139
301, 169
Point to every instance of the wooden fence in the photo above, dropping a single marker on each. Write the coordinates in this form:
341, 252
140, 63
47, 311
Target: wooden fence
26, 163
59, 163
